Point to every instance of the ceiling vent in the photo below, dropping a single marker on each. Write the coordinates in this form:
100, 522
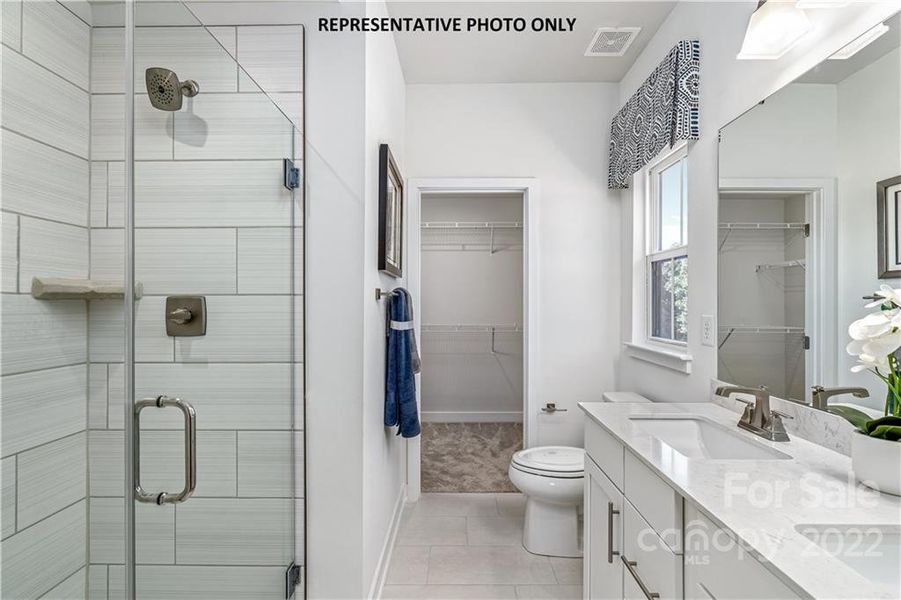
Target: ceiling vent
612, 41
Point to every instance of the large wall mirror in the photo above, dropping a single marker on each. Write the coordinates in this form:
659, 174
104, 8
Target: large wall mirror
799, 224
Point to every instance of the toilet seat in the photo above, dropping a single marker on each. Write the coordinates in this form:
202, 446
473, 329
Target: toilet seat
560, 462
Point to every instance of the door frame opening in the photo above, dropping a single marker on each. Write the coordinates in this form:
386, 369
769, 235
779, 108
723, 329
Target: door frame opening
530, 190
822, 260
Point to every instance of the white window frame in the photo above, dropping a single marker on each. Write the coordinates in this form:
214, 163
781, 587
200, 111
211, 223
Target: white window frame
669, 158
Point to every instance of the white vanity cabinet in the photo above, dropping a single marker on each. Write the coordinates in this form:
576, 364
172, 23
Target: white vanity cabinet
629, 518
641, 538
717, 568
603, 570
643, 542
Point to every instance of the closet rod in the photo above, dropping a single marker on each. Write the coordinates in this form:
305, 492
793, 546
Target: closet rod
754, 226
782, 265
471, 225
761, 329
490, 329
463, 328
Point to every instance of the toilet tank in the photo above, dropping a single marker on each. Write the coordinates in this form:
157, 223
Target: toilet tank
624, 397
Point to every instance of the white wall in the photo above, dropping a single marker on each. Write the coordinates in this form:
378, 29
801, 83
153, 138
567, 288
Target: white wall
792, 134
335, 297
728, 88
869, 131
384, 453
558, 134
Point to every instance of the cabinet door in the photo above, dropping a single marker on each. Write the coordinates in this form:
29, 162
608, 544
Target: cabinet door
716, 568
603, 533
650, 560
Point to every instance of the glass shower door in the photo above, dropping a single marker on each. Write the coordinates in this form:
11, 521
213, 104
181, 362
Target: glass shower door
216, 381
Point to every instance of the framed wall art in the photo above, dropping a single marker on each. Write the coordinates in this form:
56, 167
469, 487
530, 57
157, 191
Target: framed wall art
888, 206
391, 215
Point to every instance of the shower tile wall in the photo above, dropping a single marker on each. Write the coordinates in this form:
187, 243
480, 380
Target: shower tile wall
45, 191
212, 218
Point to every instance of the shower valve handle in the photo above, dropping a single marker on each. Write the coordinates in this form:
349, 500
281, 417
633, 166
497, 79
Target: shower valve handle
180, 316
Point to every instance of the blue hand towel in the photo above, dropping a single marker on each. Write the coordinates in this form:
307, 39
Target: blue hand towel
401, 366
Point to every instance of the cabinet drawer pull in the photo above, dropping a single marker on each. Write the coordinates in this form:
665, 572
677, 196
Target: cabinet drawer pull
610, 552
631, 564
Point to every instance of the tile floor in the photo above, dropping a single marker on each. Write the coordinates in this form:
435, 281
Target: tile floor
461, 546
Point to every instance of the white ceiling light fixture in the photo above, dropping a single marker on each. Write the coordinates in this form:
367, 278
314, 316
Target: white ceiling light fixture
611, 41
775, 27
860, 43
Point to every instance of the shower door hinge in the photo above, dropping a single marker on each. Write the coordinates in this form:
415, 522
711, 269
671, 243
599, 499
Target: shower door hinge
807, 342
292, 580
806, 229
292, 175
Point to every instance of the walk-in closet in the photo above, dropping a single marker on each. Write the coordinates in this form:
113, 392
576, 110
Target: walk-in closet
472, 340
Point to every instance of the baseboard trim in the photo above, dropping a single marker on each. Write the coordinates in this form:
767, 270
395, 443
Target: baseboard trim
471, 417
381, 572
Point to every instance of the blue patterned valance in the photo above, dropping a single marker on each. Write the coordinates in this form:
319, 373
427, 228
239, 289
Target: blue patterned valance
662, 111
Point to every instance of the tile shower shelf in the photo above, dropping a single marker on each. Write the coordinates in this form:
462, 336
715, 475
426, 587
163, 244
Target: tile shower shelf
60, 288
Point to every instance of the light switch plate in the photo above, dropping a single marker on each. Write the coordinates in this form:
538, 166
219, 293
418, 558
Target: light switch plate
708, 330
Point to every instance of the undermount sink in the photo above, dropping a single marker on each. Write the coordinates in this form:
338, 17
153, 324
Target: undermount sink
874, 551
698, 437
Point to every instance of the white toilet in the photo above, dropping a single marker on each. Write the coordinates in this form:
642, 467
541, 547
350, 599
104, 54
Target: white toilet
551, 478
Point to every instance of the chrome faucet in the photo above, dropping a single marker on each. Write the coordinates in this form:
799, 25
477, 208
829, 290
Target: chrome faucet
758, 417
822, 394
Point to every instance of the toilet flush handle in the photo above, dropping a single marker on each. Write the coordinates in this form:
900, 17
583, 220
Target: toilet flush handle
551, 407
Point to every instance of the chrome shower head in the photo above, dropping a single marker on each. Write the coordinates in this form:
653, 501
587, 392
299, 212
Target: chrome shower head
166, 92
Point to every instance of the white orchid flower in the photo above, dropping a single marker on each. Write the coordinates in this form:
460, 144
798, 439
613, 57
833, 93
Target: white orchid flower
875, 337
869, 363
883, 345
876, 343
872, 325
888, 295
867, 360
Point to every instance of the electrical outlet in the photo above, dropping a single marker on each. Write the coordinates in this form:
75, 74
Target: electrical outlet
708, 330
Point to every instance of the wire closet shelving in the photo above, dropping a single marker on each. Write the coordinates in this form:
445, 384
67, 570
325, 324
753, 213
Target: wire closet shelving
491, 330
730, 330
485, 236
751, 226
782, 265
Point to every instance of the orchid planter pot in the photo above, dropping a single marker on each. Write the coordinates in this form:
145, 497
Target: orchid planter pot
877, 463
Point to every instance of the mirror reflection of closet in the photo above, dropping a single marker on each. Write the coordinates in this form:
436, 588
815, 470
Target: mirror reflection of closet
798, 221
763, 240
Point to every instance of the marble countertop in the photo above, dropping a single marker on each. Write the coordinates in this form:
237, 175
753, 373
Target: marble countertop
761, 501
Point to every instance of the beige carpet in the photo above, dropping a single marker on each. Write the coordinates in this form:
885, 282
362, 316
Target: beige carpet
468, 457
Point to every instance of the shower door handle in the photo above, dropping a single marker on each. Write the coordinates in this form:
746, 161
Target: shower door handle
190, 417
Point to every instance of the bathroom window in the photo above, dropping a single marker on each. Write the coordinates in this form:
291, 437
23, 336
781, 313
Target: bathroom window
667, 249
